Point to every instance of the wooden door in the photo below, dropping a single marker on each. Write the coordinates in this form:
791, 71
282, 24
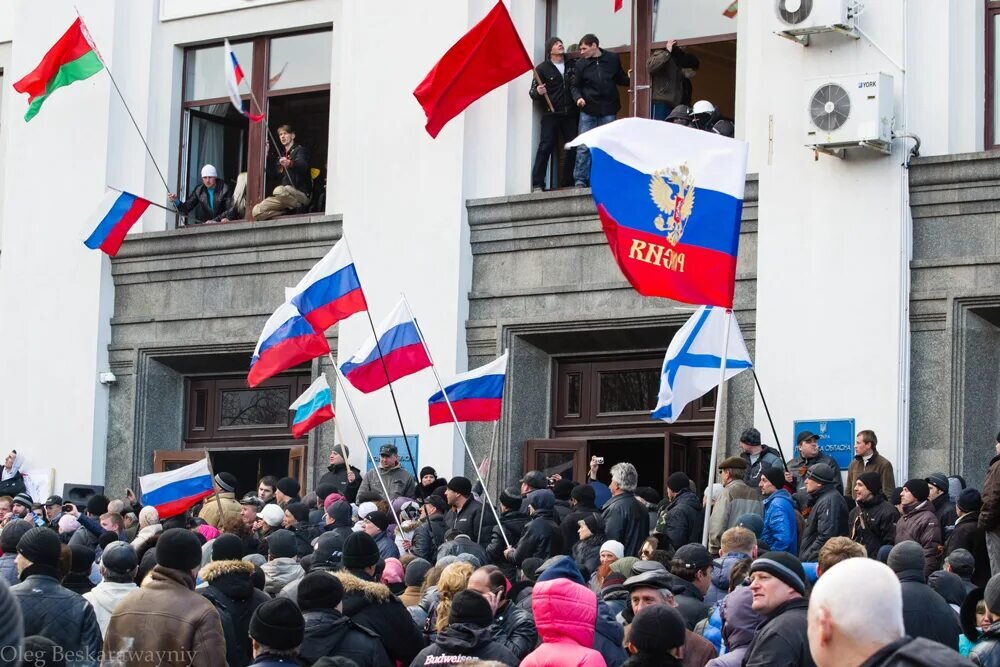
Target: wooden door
565, 456
297, 465
168, 459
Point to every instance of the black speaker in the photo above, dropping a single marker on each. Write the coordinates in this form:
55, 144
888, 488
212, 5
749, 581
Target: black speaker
79, 494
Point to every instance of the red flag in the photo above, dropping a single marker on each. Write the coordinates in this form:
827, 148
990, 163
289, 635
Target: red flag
486, 57
618, 5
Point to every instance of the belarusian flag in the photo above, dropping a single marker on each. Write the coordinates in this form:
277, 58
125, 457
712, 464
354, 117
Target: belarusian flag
72, 58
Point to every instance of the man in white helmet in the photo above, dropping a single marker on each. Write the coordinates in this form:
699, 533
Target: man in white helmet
209, 202
703, 115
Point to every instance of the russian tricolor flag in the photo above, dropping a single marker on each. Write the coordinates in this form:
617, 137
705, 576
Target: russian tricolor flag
476, 396
331, 291
176, 491
111, 221
401, 347
670, 199
312, 408
286, 341
234, 77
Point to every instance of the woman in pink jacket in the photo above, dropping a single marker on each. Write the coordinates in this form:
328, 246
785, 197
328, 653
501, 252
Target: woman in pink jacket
565, 613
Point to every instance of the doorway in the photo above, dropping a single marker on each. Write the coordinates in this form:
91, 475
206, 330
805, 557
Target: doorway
248, 464
646, 454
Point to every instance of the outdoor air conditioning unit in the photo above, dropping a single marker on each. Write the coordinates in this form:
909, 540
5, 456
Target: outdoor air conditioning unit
797, 19
850, 111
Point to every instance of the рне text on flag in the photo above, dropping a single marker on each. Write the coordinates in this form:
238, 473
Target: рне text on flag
72, 58
176, 491
312, 408
109, 223
331, 291
402, 351
486, 57
670, 200
287, 340
691, 367
476, 395
234, 77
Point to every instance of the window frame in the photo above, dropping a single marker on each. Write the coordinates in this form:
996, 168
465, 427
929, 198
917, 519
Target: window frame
256, 132
991, 9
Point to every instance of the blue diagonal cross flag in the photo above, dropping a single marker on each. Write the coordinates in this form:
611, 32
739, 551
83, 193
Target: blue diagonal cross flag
691, 367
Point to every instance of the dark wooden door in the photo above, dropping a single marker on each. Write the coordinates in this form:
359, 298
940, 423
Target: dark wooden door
564, 456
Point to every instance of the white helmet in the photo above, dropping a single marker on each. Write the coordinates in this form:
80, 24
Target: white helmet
702, 106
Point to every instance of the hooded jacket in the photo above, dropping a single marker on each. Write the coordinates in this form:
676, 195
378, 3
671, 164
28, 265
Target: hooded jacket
738, 628
428, 537
781, 640
512, 522
768, 458
873, 524
682, 519
735, 500
280, 572
397, 480
781, 532
514, 629
11, 481
944, 510
230, 588
372, 605
104, 598
565, 613
626, 520
920, 524
459, 643
541, 538
54, 612
330, 633
827, 519
919, 652
925, 613
721, 569
337, 476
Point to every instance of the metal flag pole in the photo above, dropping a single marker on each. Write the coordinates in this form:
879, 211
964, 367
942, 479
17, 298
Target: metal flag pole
489, 473
768, 412
720, 406
454, 418
270, 134
364, 437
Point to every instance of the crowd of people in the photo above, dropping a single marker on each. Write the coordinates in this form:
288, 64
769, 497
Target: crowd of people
382, 569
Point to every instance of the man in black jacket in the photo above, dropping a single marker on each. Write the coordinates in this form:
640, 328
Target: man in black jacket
292, 171
466, 637
582, 498
541, 537
692, 570
828, 517
513, 627
682, 520
209, 202
429, 535
594, 87
809, 455
969, 536
558, 123
345, 478
466, 511
873, 520
925, 612
328, 632
944, 509
778, 584
625, 520
512, 522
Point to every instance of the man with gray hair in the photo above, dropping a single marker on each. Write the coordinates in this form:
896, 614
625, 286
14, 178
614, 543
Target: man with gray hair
625, 520
842, 606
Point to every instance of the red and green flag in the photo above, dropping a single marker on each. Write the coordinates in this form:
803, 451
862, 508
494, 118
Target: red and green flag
72, 58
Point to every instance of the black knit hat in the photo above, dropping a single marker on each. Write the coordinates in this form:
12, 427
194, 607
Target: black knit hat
227, 547
278, 624
289, 487
594, 523
472, 608
939, 480
23, 499
97, 505
41, 546
678, 481
12, 533
360, 551
822, 473
178, 549
582, 494
281, 544
427, 470
226, 481
783, 566
460, 485
872, 481
320, 590
299, 511
563, 489
657, 630
83, 558
530, 568
416, 570
970, 500
379, 519
511, 498
775, 475
918, 488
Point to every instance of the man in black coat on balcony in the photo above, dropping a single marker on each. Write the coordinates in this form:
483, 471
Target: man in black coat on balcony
207, 202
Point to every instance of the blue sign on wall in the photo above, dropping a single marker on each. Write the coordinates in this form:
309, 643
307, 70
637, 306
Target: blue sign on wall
836, 437
375, 442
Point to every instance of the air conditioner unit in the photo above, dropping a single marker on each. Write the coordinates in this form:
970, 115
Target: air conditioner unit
797, 19
854, 110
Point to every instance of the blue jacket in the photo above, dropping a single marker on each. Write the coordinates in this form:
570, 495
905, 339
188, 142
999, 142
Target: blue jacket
781, 531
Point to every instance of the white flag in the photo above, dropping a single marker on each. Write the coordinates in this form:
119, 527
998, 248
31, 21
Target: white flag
691, 367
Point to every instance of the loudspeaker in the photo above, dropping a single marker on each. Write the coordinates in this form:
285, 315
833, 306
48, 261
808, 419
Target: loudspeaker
79, 494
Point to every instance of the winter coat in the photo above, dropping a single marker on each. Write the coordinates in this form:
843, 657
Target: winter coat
78, 582
336, 475
920, 524
12, 482
666, 74
565, 613
8, 568
944, 510
145, 534
799, 466
987, 651
738, 630
279, 572
587, 555
690, 602
919, 652
781, 532
541, 539
428, 537
104, 598
735, 500
989, 514
56, 613
877, 463
197, 206
304, 535
596, 81
721, 569
925, 613
768, 458
556, 86
371, 605
682, 519
330, 633
461, 545
968, 535
210, 508
780, 640
827, 519
514, 629
386, 547
425, 490
460, 643
626, 520
873, 524
467, 519
397, 480
230, 588
165, 614
513, 523
570, 526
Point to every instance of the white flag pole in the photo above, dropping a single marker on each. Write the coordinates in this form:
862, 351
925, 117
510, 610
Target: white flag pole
720, 406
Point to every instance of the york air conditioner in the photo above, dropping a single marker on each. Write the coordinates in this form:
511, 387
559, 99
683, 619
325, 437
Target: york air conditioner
854, 110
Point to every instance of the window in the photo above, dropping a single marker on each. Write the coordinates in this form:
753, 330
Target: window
992, 123
290, 79
223, 412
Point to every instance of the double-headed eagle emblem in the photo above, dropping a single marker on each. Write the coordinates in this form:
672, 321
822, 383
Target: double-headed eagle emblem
672, 190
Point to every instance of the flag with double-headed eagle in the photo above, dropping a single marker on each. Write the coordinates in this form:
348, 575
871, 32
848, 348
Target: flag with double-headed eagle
670, 200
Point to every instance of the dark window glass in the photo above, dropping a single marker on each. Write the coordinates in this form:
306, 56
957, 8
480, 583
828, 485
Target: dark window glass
552, 463
573, 394
254, 407
205, 76
628, 391
708, 400
200, 405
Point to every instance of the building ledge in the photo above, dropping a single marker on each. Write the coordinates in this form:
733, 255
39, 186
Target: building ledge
958, 169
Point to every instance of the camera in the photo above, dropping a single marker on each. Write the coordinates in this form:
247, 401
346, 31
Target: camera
599, 460
67, 507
